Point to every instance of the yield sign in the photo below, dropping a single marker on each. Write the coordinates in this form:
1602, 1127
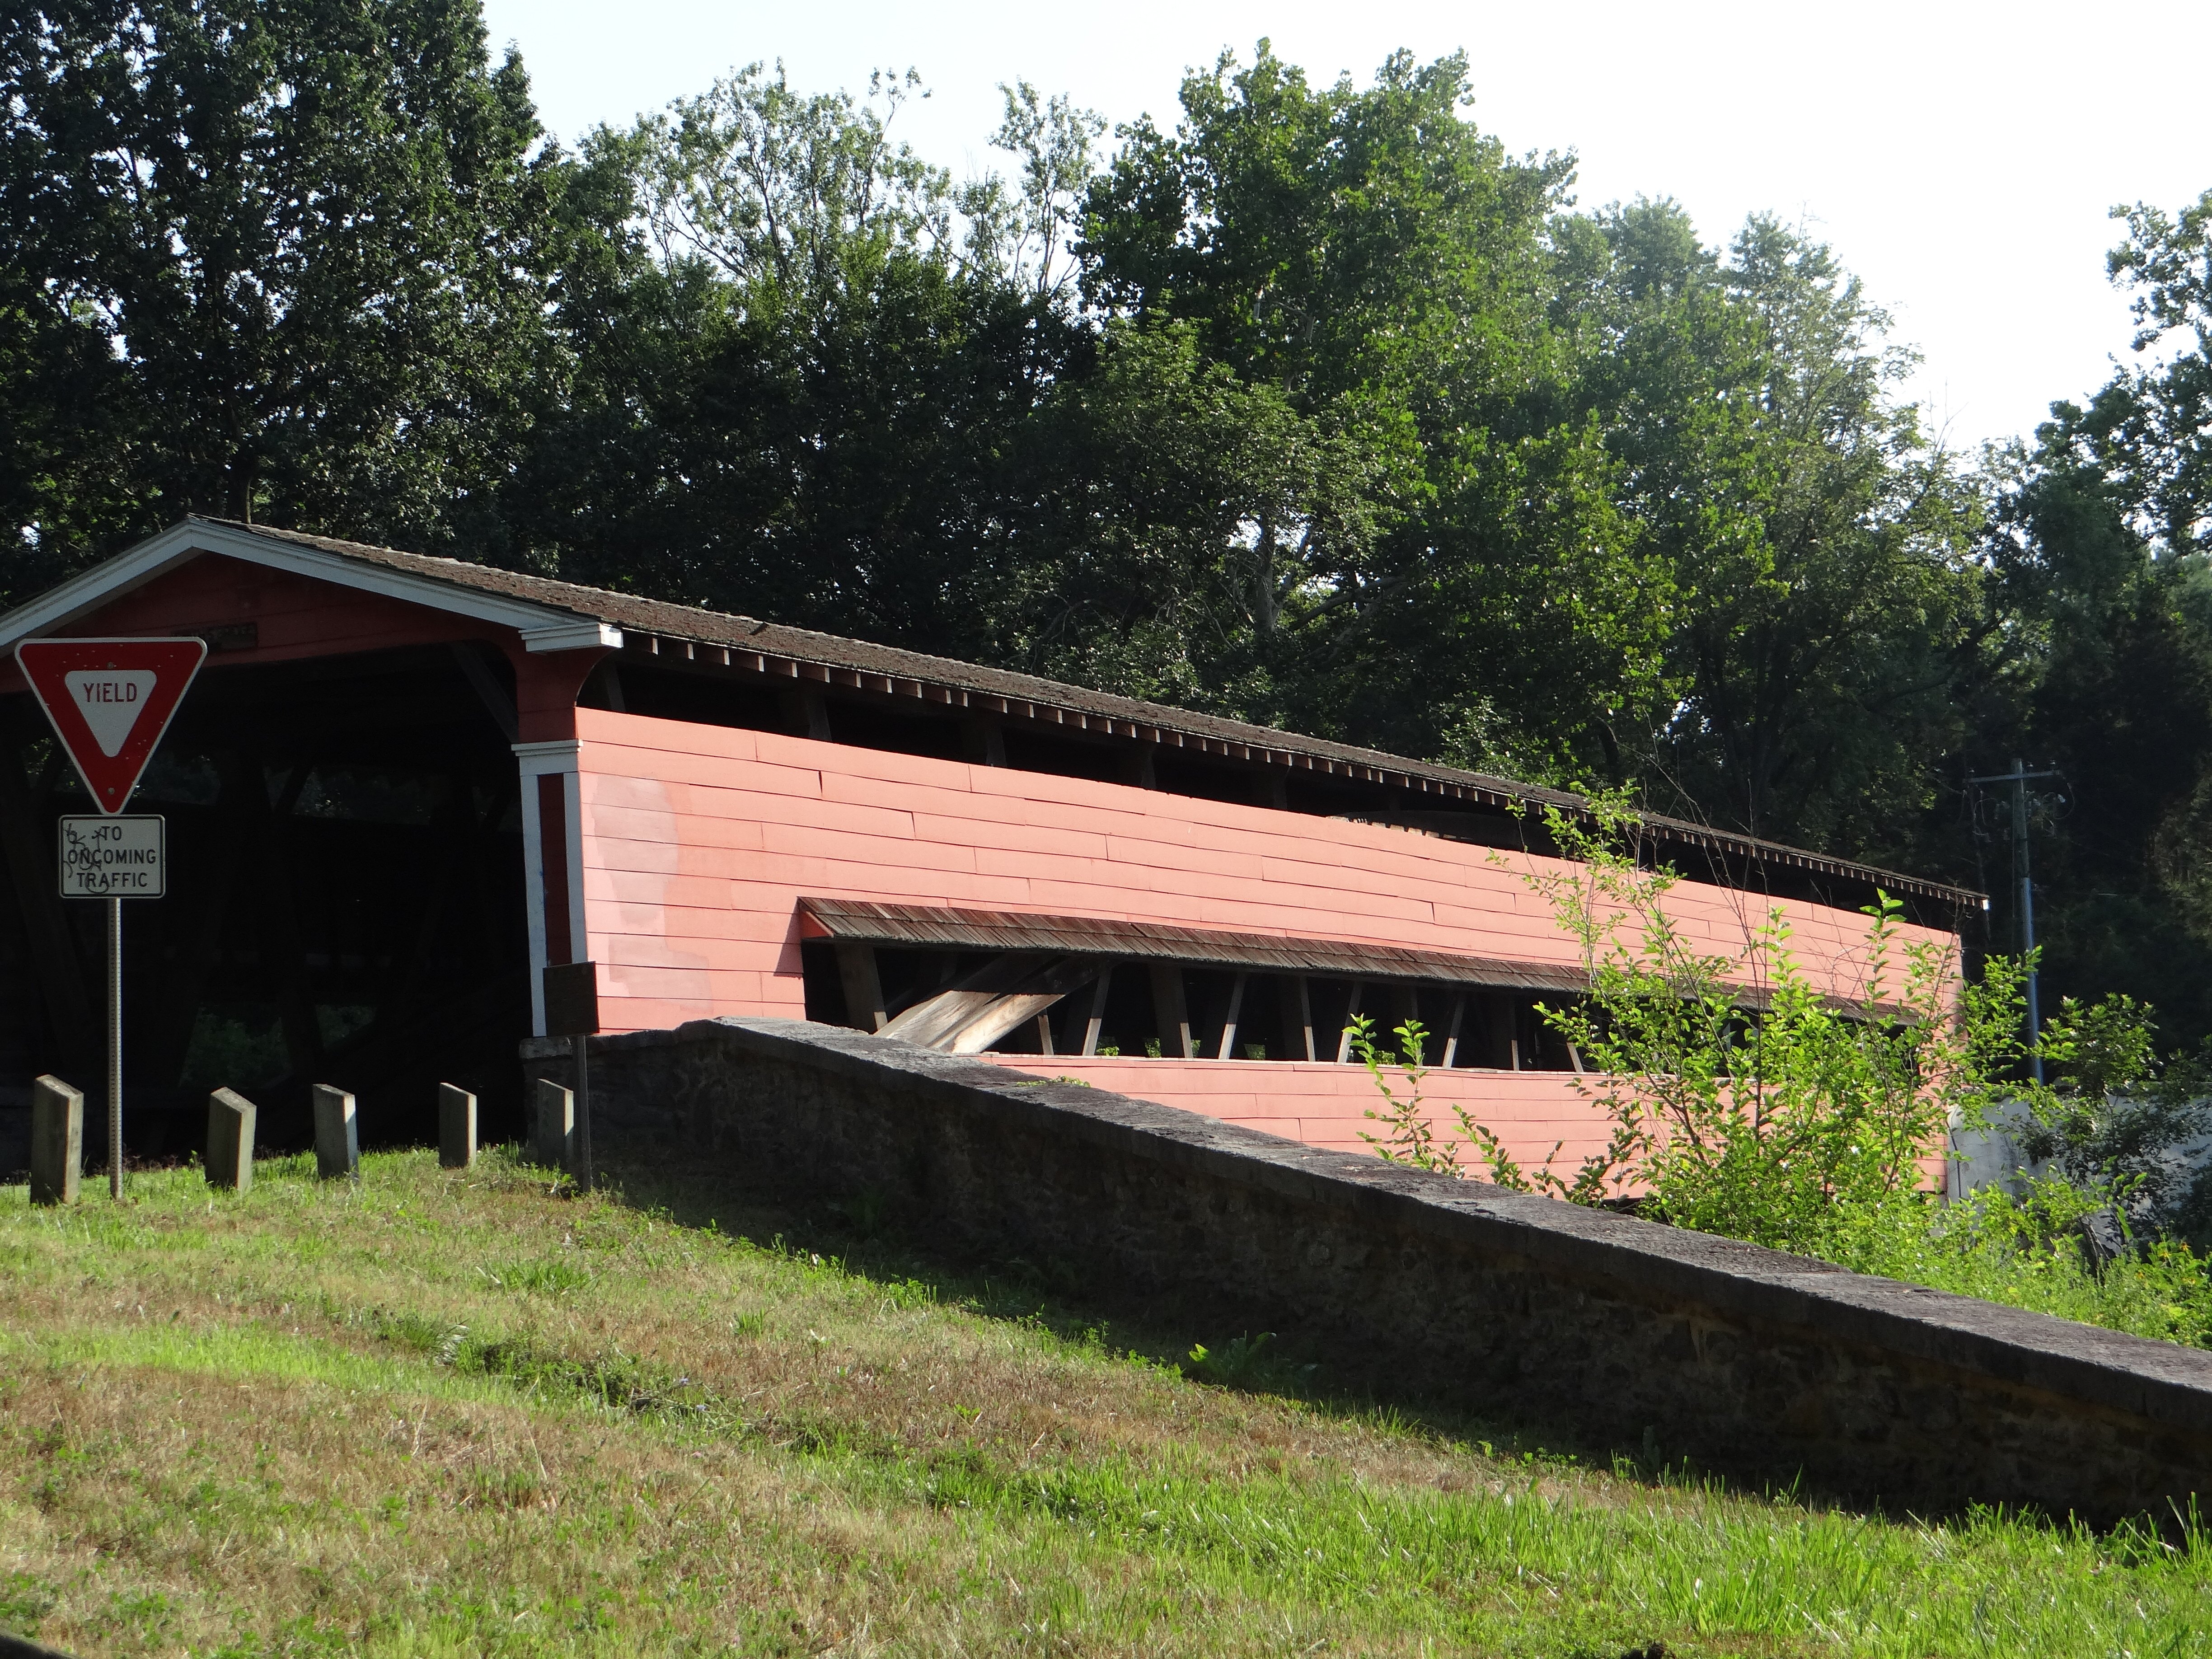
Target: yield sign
109, 700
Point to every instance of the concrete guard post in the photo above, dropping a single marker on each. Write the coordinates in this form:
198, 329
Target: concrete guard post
337, 1135
57, 1141
457, 1127
230, 1141
554, 1147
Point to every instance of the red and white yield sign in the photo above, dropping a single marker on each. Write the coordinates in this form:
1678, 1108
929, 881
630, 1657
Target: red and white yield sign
110, 701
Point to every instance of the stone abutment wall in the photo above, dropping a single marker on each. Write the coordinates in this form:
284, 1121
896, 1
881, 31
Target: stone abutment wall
1765, 1365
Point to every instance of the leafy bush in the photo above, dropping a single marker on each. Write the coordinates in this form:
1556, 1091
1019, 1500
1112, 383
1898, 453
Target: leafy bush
1745, 1099
1409, 1138
2112, 1116
1749, 1101
1251, 1363
2029, 1250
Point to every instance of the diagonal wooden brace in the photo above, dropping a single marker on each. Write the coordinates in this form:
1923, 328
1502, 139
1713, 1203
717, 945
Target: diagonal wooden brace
969, 1017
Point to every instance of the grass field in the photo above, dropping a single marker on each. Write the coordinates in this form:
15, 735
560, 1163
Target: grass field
467, 1413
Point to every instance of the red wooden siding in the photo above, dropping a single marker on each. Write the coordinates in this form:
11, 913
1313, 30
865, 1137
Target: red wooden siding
293, 616
553, 844
1326, 1105
699, 841
1538, 1115
297, 617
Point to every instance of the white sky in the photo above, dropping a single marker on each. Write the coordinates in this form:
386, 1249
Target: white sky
1961, 158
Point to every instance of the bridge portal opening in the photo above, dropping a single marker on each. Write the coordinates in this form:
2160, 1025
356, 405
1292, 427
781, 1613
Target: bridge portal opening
345, 903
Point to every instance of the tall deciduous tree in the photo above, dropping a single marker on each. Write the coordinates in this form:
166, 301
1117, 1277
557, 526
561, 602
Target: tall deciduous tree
274, 258
2149, 431
1634, 511
804, 360
2103, 667
1818, 550
1372, 263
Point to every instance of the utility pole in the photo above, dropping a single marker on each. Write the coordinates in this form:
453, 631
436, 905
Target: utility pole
2018, 778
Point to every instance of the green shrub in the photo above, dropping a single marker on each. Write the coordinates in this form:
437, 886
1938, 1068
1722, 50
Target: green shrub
1748, 1101
1251, 1363
2029, 1251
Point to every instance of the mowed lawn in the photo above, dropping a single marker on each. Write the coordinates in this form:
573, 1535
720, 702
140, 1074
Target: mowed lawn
468, 1414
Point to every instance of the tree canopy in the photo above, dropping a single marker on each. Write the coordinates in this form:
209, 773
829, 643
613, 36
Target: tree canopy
1314, 404
284, 260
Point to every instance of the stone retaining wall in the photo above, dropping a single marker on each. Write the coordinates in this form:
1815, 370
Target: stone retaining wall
1634, 1335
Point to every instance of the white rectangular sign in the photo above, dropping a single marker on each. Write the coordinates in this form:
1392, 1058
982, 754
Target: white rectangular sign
112, 858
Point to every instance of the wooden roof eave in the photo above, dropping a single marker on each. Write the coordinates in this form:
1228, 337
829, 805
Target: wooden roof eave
550, 615
541, 627
921, 926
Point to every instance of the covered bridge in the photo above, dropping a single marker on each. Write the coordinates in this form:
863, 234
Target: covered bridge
402, 785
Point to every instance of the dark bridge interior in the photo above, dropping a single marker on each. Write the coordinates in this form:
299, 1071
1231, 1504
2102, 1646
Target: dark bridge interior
345, 905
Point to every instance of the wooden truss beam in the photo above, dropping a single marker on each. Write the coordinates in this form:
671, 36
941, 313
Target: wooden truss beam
969, 1017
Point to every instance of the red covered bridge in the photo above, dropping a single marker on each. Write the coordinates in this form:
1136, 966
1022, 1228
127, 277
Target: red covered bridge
404, 785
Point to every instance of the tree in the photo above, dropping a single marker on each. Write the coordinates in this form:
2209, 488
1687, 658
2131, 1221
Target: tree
1372, 263
2149, 431
2099, 551
279, 260
806, 362
792, 201
1028, 231
1814, 551
1151, 482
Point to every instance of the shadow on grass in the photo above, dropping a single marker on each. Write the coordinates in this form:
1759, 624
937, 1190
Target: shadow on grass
1211, 1340
1216, 1339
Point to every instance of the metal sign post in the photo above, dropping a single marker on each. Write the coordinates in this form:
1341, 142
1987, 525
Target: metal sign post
113, 858
572, 1010
115, 1048
109, 701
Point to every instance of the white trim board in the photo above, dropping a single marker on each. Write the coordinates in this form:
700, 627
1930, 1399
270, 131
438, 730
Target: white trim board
548, 755
533, 900
551, 757
543, 628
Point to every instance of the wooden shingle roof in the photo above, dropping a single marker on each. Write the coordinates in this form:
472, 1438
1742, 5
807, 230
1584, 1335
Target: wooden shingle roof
799, 654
